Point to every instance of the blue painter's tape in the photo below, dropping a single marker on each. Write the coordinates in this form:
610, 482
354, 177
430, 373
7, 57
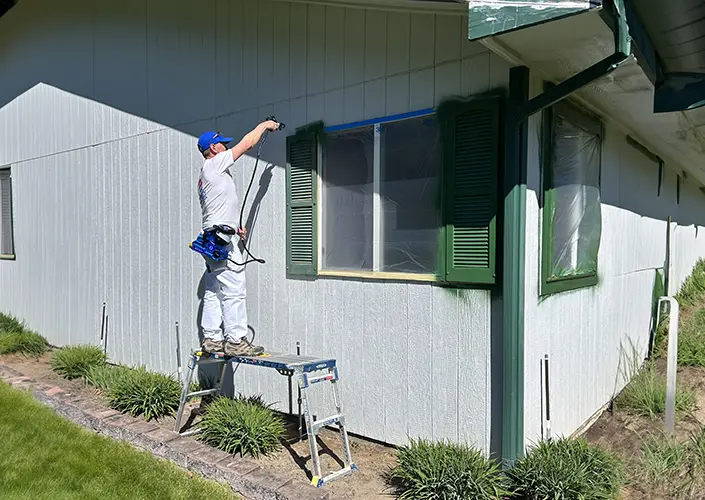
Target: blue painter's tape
385, 119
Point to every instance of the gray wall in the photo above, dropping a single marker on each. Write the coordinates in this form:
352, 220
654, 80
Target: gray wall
99, 106
592, 335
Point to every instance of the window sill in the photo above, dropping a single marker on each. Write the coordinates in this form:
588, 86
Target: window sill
7, 257
567, 284
382, 276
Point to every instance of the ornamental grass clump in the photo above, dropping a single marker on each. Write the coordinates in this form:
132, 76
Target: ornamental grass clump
73, 362
566, 469
428, 470
138, 391
244, 426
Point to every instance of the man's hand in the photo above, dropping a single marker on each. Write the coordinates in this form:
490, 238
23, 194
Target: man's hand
271, 125
242, 233
252, 138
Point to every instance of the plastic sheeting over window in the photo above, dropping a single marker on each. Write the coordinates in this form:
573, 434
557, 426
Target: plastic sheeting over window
381, 197
573, 201
410, 191
347, 200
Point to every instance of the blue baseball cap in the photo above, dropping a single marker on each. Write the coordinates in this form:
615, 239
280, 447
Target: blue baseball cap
208, 138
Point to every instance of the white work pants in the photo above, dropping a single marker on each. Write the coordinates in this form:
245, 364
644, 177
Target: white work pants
224, 299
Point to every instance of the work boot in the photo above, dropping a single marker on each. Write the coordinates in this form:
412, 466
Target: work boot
212, 347
242, 348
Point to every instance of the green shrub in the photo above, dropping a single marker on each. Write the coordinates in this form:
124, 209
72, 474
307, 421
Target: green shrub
663, 459
671, 468
567, 468
691, 340
105, 376
430, 470
241, 426
141, 392
9, 324
24, 342
693, 288
74, 361
645, 395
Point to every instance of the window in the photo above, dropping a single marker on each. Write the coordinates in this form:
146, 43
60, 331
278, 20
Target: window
7, 244
572, 213
381, 199
411, 196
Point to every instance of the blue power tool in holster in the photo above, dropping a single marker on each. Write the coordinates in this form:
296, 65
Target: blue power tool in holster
214, 242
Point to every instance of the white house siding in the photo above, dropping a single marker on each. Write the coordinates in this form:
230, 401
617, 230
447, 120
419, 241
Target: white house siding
589, 334
100, 103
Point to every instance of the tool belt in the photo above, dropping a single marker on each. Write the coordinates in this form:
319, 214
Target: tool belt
214, 242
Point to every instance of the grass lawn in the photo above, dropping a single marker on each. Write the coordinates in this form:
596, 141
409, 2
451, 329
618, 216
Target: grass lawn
43, 456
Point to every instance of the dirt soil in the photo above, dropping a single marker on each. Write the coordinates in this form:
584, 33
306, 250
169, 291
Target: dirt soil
372, 459
624, 434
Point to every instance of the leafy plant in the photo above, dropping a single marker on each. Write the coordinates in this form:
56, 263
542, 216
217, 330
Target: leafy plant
105, 376
241, 425
663, 458
24, 342
693, 288
673, 468
430, 470
74, 361
9, 324
567, 468
140, 392
645, 395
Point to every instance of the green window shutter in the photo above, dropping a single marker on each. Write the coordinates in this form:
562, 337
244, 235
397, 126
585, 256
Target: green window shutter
301, 209
470, 169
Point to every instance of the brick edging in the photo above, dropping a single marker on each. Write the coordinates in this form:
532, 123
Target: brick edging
243, 474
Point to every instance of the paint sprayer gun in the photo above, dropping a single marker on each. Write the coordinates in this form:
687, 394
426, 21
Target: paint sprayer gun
272, 118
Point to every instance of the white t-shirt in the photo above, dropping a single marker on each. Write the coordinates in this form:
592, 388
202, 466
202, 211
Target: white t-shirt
217, 193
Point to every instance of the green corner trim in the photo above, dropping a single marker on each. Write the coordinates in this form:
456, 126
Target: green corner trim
514, 274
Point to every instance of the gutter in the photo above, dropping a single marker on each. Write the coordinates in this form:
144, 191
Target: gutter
514, 215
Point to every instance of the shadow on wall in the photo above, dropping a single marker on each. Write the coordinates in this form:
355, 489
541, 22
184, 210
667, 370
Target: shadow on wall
631, 181
154, 60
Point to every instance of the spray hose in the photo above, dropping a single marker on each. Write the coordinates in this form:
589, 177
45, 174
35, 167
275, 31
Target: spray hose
262, 140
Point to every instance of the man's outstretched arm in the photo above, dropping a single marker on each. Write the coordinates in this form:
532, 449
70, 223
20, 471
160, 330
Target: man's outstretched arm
251, 139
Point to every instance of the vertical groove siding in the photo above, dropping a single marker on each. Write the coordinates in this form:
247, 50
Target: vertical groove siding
593, 335
105, 203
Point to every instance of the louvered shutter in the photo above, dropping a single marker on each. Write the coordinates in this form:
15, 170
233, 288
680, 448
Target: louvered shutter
301, 194
470, 170
6, 239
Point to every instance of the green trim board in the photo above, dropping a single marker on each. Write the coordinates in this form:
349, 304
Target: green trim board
493, 17
585, 274
515, 170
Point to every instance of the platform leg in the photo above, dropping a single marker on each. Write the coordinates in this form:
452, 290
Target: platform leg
312, 443
345, 441
184, 392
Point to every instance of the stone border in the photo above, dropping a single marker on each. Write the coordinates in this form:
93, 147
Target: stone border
243, 474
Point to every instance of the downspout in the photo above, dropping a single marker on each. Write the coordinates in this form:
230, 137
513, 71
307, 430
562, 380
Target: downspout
515, 175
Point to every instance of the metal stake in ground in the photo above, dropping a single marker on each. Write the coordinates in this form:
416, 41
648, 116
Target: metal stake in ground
672, 362
178, 352
102, 324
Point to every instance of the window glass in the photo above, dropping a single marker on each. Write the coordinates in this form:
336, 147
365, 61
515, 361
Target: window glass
575, 207
347, 199
410, 195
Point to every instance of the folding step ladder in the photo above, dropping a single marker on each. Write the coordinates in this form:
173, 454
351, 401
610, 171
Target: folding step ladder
308, 371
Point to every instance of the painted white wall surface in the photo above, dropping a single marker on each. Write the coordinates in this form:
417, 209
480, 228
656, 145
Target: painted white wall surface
100, 104
592, 335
